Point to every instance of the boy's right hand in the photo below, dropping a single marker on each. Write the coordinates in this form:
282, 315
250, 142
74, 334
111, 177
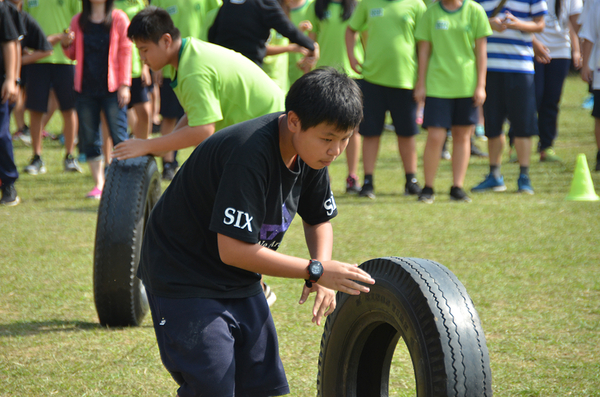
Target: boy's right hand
342, 277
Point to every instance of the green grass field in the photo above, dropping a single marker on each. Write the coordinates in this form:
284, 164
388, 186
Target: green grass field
531, 265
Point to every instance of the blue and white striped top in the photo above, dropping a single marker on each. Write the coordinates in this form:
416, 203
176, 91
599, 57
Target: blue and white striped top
511, 51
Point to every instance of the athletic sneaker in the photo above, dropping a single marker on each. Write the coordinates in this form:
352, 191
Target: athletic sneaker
36, 166
524, 184
71, 164
95, 194
588, 102
169, 170
445, 153
367, 191
457, 194
269, 294
412, 188
352, 186
480, 132
46, 134
427, 195
549, 155
23, 135
490, 183
475, 151
9, 195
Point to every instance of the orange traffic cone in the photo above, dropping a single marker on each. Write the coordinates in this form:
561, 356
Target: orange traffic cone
582, 186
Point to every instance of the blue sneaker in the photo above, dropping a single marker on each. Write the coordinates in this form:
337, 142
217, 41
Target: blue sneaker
588, 103
490, 183
524, 184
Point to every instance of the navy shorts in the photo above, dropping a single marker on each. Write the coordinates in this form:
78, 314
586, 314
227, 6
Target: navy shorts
446, 112
378, 99
596, 110
510, 96
139, 93
43, 76
170, 108
219, 347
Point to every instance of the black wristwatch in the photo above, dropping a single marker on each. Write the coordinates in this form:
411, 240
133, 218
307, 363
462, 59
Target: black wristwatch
315, 271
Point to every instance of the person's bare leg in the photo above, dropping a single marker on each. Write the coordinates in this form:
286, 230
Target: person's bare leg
69, 129
495, 148
142, 127
353, 153
433, 153
19, 111
461, 152
523, 147
97, 171
370, 150
35, 128
407, 146
52, 107
107, 143
168, 125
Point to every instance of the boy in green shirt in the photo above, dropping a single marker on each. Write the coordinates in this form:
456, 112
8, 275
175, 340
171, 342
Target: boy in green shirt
389, 73
216, 87
55, 71
452, 69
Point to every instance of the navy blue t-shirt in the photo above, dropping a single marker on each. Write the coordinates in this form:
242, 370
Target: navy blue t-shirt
235, 183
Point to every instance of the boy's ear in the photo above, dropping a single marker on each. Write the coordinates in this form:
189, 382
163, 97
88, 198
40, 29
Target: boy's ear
168, 40
293, 122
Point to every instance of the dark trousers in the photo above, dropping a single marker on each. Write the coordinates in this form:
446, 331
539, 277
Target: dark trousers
549, 80
8, 169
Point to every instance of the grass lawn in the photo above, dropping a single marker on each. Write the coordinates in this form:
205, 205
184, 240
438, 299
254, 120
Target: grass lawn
531, 264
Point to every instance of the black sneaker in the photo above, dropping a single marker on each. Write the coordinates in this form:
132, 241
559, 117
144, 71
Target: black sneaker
169, 170
71, 164
367, 191
36, 166
427, 195
412, 187
457, 194
9, 196
352, 186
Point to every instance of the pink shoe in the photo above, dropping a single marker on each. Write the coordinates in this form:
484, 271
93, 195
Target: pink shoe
94, 194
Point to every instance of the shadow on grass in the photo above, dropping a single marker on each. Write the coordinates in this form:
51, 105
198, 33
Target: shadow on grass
28, 328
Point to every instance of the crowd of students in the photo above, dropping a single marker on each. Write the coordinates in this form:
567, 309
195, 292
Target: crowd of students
450, 57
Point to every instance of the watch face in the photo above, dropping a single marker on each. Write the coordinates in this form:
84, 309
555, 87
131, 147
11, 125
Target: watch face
315, 268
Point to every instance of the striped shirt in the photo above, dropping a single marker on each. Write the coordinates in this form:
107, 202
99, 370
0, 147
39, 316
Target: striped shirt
511, 51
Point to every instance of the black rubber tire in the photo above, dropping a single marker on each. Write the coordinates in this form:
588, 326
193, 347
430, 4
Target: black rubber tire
425, 304
131, 190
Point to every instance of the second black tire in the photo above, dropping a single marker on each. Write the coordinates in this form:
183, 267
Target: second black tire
131, 190
421, 302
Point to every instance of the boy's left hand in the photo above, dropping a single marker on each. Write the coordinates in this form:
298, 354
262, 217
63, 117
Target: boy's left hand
324, 301
130, 148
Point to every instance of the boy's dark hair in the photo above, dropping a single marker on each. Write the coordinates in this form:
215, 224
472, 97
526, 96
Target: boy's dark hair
326, 96
151, 24
86, 11
348, 7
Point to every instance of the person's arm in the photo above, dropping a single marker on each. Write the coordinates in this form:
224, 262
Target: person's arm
319, 240
587, 74
351, 36
575, 46
481, 62
9, 87
183, 136
276, 19
536, 25
123, 59
31, 57
424, 52
540, 51
281, 49
256, 258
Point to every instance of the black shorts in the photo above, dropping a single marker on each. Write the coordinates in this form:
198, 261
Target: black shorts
510, 96
170, 108
139, 93
43, 76
596, 110
446, 112
377, 100
219, 347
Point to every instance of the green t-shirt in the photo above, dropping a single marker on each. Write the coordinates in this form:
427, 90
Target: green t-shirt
297, 15
452, 68
390, 53
53, 16
276, 66
132, 7
188, 15
217, 85
207, 22
331, 35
